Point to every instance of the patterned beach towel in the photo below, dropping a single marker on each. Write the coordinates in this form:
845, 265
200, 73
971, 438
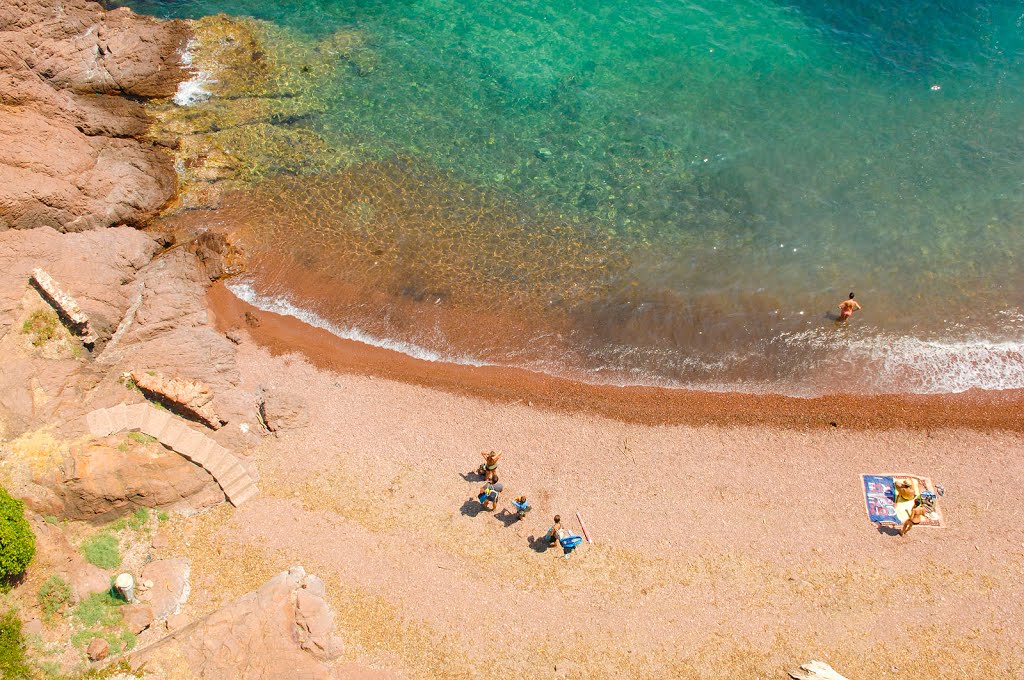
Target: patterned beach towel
883, 506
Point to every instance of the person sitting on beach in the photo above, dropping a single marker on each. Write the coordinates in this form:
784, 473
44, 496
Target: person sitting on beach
489, 469
923, 504
555, 533
847, 308
488, 495
905, 489
522, 506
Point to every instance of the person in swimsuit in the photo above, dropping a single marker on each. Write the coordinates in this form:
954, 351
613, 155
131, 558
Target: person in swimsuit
488, 495
555, 532
923, 504
522, 507
847, 308
490, 467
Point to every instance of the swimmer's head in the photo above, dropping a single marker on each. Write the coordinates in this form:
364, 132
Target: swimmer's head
851, 296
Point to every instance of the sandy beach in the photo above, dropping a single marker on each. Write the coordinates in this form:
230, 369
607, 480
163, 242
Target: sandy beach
730, 534
741, 549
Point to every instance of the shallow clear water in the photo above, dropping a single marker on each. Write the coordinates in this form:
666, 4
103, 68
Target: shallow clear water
665, 192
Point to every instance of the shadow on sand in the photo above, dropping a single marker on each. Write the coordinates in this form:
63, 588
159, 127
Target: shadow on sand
471, 508
538, 543
506, 517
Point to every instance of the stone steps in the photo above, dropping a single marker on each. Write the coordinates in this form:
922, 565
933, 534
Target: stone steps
171, 431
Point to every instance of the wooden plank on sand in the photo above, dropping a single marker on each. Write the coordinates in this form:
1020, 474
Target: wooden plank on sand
584, 528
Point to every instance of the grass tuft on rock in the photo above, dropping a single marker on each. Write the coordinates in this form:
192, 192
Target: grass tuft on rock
42, 326
54, 594
99, 609
102, 550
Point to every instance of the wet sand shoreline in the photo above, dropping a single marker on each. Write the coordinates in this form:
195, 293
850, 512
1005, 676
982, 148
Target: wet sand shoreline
975, 409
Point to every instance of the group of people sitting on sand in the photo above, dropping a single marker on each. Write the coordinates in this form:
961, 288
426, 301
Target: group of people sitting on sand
492, 488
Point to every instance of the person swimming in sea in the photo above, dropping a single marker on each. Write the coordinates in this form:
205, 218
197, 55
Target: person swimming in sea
847, 308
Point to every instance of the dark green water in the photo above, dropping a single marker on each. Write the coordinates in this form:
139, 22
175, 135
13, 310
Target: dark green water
754, 160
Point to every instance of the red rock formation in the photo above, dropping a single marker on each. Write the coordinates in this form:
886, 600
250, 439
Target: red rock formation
101, 480
192, 396
71, 75
283, 630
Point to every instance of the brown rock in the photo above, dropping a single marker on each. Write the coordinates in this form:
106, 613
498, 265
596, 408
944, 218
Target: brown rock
33, 626
170, 332
68, 158
217, 256
54, 555
264, 634
314, 622
104, 479
98, 269
137, 617
284, 410
192, 396
177, 622
171, 585
98, 649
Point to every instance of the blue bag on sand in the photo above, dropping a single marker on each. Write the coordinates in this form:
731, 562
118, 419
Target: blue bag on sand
570, 541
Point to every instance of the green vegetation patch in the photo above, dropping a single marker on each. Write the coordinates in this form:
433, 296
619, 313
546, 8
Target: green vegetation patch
12, 647
17, 542
141, 438
54, 594
135, 521
99, 609
42, 326
102, 550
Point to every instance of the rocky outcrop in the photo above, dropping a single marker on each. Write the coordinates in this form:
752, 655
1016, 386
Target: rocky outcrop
283, 630
152, 310
98, 649
65, 305
103, 479
168, 330
54, 555
193, 397
281, 410
71, 77
137, 617
171, 586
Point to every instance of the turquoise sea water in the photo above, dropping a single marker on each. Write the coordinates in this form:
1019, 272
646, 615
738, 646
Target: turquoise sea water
743, 163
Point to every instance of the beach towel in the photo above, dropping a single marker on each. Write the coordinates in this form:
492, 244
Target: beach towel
884, 507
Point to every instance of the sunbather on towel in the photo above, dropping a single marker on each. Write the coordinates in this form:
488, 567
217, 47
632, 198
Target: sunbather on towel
923, 504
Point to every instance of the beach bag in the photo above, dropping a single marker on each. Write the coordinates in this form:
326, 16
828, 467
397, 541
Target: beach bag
570, 542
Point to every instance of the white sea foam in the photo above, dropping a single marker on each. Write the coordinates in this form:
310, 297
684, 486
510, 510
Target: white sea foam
908, 364
885, 363
195, 89
282, 305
